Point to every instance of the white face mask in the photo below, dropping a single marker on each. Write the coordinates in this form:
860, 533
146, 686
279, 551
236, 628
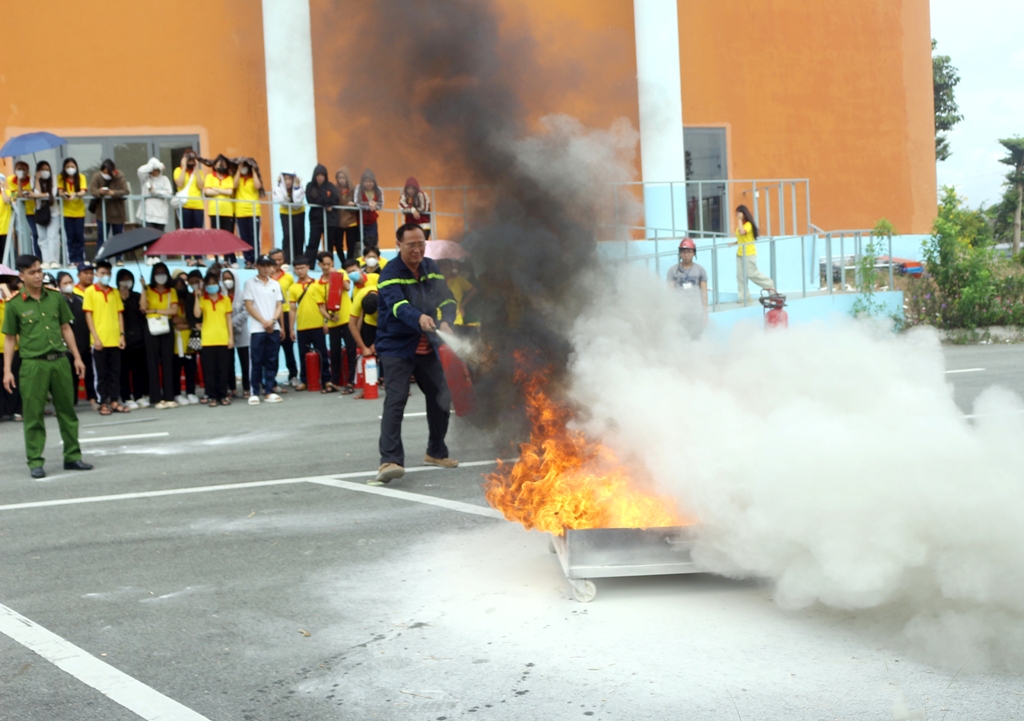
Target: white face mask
229, 284
244, 171
160, 279
70, 170
106, 177
371, 262
125, 285
67, 289
44, 174
20, 174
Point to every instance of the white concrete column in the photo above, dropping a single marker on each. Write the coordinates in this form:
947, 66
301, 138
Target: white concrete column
291, 108
662, 158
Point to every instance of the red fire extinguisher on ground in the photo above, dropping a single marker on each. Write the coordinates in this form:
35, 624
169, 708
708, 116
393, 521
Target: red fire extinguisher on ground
774, 304
312, 371
370, 378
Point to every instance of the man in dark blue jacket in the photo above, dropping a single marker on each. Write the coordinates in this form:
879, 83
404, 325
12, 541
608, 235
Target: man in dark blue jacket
412, 294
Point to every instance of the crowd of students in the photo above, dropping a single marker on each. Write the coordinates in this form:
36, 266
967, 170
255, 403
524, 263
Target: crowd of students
146, 348
342, 216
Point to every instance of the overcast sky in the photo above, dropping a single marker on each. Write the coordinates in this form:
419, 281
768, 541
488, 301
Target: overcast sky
985, 39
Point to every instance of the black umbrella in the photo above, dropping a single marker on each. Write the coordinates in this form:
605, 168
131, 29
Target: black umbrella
128, 241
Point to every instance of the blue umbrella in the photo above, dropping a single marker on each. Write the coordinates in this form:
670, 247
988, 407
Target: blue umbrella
30, 143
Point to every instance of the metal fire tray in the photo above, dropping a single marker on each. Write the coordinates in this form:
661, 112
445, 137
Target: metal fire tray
616, 552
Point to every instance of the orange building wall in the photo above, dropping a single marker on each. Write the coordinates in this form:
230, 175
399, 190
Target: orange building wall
837, 92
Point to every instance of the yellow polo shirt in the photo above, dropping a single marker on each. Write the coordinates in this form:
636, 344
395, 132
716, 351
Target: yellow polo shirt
106, 306
220, 205
284, 280
214, 311
160, 301
3, 305
345, 312
13, 188
745, 240
362, 265
74, 208
193, 189
309, 308
5, 216
459, 285
247, 191
357, 304
79, 289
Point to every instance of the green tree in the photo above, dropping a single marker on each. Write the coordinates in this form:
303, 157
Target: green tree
1015, 178
947, 114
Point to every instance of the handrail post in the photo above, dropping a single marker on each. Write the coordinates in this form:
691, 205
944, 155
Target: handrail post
700, 206
803, 255
890, 262
714, 273
830, 271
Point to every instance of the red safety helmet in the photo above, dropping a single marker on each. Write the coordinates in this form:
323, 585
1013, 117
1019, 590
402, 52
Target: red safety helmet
687, 243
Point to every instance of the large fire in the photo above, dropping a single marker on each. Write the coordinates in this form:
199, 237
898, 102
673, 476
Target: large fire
565, 480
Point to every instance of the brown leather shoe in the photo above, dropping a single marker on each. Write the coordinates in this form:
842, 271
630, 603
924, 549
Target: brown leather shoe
386, 473
441, 462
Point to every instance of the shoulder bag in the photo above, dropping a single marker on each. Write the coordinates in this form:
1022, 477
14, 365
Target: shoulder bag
160, 325
182, 196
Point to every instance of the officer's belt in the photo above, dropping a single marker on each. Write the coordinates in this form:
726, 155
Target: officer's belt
50, 357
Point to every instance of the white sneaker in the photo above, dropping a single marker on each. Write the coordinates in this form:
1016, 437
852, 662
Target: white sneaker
54, 264
255, 400
272, 398
131, 405
182, 400
294, 382
192, 398
144, 402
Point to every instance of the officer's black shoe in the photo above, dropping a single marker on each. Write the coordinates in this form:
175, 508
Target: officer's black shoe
38, 472
78, 466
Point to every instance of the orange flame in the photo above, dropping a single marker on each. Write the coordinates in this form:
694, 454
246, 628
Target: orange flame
563, 479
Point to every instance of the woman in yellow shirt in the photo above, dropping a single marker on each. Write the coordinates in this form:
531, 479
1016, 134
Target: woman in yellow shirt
5, 213
213, 309
219, 186
746, 255
72, 187
248, 192
160, 304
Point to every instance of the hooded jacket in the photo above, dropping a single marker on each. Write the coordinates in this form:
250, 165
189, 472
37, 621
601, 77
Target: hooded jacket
363, 199
349, 218
322, 195
420, 202
157, 193
291, 201
115, 205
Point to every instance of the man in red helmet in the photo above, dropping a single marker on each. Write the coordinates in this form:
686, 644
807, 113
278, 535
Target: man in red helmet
691, 280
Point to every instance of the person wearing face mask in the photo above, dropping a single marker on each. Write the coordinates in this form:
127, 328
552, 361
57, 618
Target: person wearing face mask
263, 299
80, 329
290, 196
249, 191
104, 314
362, 322
338, 333
188, 178
86, 276
219, 187
369, 198
213, 309
108, 188
371, 262
47, 216
156, 194
183, 323
5, 213
19, 189
348, 218
240, 329
72, 187
159, 302
10, 401
306, 299
285, 280
134, 377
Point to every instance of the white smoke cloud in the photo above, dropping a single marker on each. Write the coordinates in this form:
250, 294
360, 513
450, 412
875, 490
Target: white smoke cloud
829, 458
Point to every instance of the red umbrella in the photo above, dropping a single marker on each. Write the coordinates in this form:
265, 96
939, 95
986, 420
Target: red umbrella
445, 250
197, 241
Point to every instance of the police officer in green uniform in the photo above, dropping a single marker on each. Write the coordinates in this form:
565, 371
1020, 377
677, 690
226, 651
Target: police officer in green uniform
41, 319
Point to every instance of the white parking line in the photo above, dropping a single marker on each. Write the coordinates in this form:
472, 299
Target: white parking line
116, 685
161, 434
419, 414
966, 370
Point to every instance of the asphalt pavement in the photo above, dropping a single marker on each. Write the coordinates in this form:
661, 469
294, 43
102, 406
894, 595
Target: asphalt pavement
235, 565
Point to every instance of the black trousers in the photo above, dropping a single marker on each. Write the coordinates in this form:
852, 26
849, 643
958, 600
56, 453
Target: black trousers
430, 378
10, 403
293, 227
351, 238
134, 376
314, 339
90, 372
316, 232
188, 364
249, 232
288, 346
218, 363
243, 361
107, 366
342, 345
160, 359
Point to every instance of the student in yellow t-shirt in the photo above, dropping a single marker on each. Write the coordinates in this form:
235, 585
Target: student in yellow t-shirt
462, 289
213, 309
285, 280
219, 186
363, 322
371, 262
746, 255
71, 188
160, 304
189, 175
104, 314
5, 213
249, 191
306, 299
337, 325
